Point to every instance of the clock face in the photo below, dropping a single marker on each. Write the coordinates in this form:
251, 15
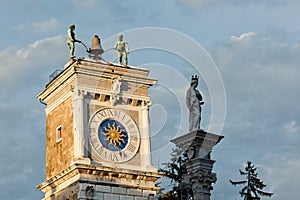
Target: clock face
113, 135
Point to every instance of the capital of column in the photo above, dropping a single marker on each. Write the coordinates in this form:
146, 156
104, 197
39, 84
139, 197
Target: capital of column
146, 104
80, 94
201, 181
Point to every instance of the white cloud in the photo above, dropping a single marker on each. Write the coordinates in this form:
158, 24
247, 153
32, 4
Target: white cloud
19, 65
23, 73
261, 79
291, 127
44, 26
282, 175
264, 73
245, 37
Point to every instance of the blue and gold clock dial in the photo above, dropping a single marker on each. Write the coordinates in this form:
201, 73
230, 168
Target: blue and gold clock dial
113, 135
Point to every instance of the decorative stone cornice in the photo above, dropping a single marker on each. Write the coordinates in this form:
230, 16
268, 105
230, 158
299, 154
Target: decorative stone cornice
198, 138
107, 175
107, 70
87, 75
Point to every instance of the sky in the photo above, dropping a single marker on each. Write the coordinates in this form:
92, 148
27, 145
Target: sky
247, 54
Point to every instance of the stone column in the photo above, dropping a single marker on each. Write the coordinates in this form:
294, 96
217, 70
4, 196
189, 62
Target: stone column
80, 120
200, 177
198, 146
145, 135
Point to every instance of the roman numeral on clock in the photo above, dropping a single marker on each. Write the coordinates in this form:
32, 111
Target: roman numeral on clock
131, 148
93, 130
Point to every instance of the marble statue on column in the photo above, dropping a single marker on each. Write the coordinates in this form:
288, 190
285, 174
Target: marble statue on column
194, 103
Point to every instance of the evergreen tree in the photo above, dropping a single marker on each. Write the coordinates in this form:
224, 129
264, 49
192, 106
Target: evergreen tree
167, 196
175, 170
253, 186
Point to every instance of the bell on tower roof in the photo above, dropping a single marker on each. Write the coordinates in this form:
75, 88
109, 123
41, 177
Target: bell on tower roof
96, 49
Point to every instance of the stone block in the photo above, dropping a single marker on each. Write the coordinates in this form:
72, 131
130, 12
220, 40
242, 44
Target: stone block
118, 190
147, 193
140, 198
98, 196
126, 198
134, 192
111, 197
83, 186
103, 188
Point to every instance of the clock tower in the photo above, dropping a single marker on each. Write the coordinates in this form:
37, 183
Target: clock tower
97, 133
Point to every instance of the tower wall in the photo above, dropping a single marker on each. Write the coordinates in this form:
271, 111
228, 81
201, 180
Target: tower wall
59, 146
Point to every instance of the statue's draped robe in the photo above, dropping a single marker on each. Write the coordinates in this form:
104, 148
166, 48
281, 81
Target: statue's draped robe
193, 100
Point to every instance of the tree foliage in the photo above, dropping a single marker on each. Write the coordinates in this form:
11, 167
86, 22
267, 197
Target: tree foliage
174, 170
167, 196
253, 186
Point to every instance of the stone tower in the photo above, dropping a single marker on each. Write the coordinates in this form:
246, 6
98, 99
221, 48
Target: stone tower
97, 133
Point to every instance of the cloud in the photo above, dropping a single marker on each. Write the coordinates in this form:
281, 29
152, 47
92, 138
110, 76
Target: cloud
22, 72
19, 65
245, 37
22, 147
281, 175
44, 26
291, 127
261, 76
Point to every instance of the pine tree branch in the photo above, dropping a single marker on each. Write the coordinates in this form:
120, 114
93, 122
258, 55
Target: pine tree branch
243, 173
237, 182
266, 194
